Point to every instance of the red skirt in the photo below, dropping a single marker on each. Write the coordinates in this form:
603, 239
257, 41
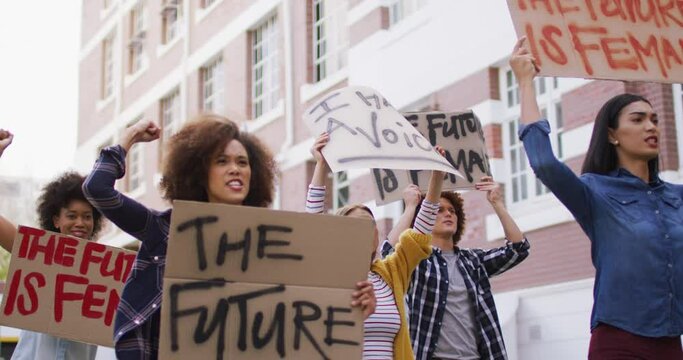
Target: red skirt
611, 343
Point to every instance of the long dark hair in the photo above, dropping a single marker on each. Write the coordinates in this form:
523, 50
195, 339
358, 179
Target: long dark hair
601, 157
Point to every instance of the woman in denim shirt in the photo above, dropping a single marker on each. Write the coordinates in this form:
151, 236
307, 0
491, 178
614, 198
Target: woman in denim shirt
633, 219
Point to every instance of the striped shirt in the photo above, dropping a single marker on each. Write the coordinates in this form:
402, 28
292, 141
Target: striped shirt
373, 349
382, 326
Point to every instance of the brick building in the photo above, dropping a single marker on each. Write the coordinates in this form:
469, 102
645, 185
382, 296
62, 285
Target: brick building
262, 62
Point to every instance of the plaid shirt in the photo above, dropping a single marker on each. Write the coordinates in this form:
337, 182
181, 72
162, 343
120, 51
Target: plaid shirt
429, 287
136, 328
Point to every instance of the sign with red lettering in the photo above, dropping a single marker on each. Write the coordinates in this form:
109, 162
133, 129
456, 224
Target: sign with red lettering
64, 286
366, 132
621, 40
252, 283
460, 134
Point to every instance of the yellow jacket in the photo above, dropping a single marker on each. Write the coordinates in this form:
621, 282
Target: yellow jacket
396, 270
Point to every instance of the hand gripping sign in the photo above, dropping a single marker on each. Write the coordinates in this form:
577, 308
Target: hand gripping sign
366, 132
252, 283
621, 40
461, 136
64, 286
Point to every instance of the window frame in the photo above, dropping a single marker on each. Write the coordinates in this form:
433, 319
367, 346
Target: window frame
521, 181
264, 67
212, 77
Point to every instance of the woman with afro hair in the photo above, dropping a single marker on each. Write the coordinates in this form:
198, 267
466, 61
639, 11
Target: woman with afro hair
208, 160
62, 208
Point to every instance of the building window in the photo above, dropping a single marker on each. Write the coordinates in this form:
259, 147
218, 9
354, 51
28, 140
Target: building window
170, 113
559, 128
522, 181
341, 185
330, 37
400, 9
137, 37
135, 163
170, 116
108, 66
518, 164
212, 84
512, 88
170, 20
265, 72
207, 3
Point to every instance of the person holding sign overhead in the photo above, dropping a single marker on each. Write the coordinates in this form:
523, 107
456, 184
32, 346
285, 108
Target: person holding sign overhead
633, 219
208, 160
452, 312
62, 208
386, 331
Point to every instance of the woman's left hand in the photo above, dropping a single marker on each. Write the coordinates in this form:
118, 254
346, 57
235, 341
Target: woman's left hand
364, 297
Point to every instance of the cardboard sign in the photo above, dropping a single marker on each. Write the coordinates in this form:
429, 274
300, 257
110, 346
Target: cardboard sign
460, 134
64, 286
621, 40
253, 283
366, 132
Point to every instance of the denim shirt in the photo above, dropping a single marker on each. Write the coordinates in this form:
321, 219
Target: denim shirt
34, 345
636, 233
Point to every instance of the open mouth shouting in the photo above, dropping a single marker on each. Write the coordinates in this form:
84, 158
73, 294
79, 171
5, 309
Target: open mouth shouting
235, 185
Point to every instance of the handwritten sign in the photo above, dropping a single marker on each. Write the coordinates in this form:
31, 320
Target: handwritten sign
367, 132
460, 134
64, 286
622, 40
252, 283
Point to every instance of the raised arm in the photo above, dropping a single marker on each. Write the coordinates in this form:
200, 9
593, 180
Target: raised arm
495, 198
411, 198
534, 133
6, 138
315, 198
7, 233
126, 213
7, 229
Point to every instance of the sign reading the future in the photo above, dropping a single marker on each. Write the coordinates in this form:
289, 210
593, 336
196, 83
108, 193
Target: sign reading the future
252, 283
622, 40
367, 132
461, 136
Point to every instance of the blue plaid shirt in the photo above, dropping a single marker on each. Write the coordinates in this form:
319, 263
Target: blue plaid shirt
136, 328
429, 287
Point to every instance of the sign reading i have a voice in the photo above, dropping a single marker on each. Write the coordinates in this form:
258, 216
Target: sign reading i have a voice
461, 136
64, 286
253, 283
366, 132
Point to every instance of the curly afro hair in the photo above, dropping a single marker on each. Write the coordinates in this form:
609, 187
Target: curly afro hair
191, 150
458, 204
57, 194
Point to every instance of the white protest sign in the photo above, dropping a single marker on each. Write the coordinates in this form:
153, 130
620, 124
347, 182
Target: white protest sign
367, 132
460, 134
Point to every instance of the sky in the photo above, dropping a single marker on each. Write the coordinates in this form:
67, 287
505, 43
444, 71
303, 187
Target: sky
39, 47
